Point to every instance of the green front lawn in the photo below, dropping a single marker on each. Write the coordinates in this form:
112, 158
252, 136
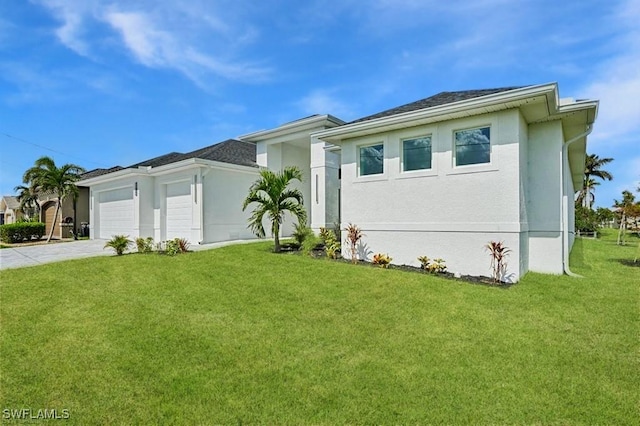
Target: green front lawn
241, 335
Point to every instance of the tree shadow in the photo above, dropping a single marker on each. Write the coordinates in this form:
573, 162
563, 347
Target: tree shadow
629, 262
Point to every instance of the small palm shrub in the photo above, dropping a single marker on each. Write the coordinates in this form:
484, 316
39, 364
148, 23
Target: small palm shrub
354, 235
120, 243
498, 252
301, 233
144, 245
382, 260
310, 243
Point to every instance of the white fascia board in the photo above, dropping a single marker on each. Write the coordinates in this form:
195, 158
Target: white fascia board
590, 106
195, 163
444, 112
310, 123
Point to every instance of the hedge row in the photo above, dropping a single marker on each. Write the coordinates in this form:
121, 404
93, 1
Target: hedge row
18, 232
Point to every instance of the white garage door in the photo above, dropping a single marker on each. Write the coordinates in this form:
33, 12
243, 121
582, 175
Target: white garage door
116, 212
179, 210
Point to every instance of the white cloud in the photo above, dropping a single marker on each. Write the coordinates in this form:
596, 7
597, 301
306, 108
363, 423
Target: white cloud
192, 38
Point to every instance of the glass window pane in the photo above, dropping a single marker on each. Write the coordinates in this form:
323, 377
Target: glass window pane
416, 154
473, 146
371, 159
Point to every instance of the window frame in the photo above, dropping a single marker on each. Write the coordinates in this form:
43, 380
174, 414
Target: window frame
402, 154
455, 147
359, 159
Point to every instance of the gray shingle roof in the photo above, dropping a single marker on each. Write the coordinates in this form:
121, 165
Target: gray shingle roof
441, 98
99, 172
231, 151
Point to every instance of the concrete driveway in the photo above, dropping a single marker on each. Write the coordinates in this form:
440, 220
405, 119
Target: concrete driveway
19, 257
46, 253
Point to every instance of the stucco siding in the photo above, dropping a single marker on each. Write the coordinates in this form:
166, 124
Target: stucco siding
223, 194
443, 212
545, 197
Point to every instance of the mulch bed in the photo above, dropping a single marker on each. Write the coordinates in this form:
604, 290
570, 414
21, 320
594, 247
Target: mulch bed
318, 253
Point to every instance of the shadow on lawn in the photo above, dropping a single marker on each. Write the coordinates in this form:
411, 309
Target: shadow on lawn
629, 262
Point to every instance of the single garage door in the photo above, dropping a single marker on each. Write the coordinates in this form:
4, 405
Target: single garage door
179, 210
116, 212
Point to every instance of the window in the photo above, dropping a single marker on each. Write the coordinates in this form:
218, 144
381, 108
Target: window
416, 154
371, 159
473, 146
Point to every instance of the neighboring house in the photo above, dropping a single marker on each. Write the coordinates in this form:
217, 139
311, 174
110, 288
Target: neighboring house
197, 195
9, 209
443, 176
10, 212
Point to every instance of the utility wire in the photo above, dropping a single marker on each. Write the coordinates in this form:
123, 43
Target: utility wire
53, 150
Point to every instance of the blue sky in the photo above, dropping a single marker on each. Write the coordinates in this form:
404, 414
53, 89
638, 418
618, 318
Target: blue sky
104, 83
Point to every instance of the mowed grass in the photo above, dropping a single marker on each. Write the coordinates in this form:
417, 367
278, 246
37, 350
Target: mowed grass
241, 335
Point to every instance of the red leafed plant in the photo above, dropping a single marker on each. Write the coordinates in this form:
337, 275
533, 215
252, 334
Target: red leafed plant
354, 235
498, 252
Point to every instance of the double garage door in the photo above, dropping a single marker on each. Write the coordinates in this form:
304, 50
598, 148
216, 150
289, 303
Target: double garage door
116, 211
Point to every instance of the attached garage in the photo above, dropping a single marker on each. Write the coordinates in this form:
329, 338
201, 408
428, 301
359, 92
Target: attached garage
115, 215
179, 210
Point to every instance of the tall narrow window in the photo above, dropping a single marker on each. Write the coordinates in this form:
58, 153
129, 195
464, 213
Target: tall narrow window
473, 146
371, 159
416, 154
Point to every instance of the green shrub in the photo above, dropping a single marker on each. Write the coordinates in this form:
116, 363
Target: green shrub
310, 243
144, 245
120, 243
587, 220
172, 247
301, 233
331, 244
18, 232
432, 265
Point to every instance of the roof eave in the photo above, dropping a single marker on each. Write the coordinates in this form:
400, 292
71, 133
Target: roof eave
293, 127
335, 135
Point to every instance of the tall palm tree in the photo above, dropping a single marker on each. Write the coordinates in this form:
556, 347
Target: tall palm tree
273, 197
593, 168
45, 176
28, 198
586, 199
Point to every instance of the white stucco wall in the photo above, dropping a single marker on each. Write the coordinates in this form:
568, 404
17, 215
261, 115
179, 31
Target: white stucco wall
223, 194
545, 197
448, 212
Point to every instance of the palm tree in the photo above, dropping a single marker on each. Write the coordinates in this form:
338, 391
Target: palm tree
273, 197
586, 199
45, 176
28, 198
593, 167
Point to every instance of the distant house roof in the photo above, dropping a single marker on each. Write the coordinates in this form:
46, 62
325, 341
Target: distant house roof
441, 98
11, 202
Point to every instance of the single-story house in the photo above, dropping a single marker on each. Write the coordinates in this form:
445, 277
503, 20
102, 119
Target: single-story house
445, 175
196, 195
439, 177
